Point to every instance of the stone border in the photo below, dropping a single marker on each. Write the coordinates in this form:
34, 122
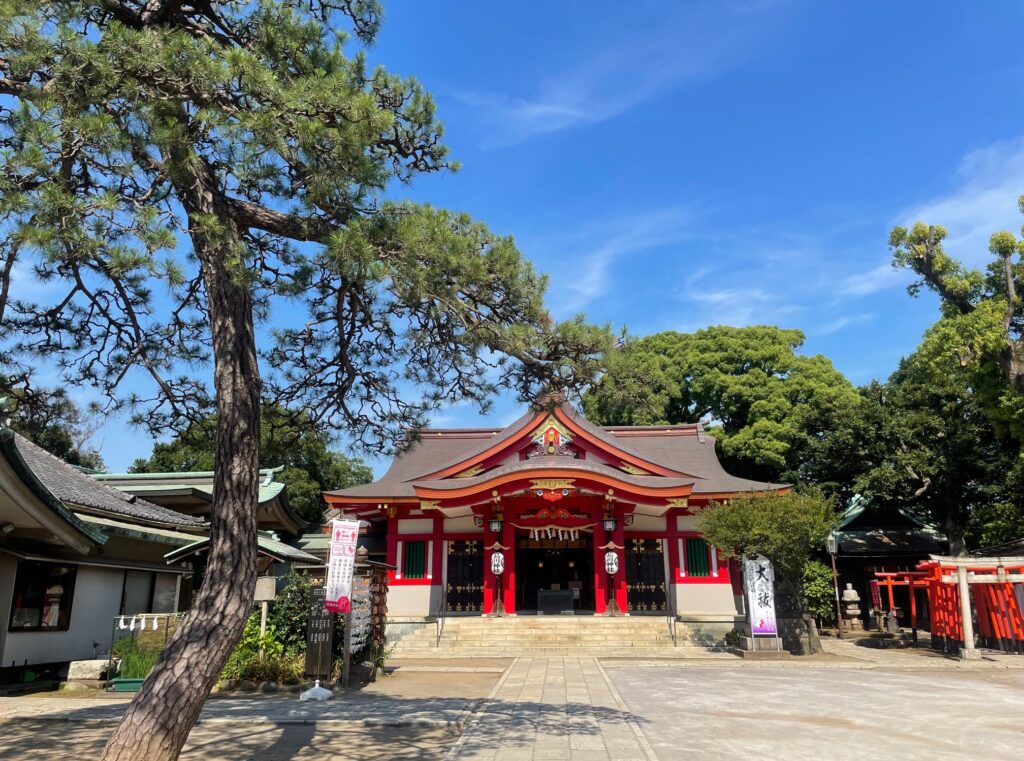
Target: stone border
474, 715
627, 714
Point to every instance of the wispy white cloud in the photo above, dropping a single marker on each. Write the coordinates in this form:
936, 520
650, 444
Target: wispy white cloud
840, 323
585, 259
736, 305
692, 44
984, 201
872, 281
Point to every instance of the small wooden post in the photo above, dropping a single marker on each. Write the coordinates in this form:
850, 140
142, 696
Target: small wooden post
913, 608
346, 657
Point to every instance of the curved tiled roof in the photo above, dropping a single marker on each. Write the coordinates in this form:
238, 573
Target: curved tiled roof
682, 449
556, 463
79, 490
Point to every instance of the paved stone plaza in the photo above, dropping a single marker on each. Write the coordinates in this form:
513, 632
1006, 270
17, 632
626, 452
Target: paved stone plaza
845, 706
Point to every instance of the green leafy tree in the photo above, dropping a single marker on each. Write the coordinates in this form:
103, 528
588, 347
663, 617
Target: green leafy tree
51, 419
927, 445
819, 591
286, 439
974, 357
769, 407
983, 313
787, 529
189, 176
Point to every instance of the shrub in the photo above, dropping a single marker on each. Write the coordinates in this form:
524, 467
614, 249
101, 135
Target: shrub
819, 591
273, 665
135, 662
289, 613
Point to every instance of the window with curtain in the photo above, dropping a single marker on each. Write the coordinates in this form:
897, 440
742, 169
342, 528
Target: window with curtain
42, 596
697, 562
414, 560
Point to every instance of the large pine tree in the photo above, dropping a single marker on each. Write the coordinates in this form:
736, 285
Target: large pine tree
184, 173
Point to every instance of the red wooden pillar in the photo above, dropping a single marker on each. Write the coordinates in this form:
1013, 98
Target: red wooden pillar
600, 588
508, 580
392, 547
437, 558
490, 581
619, 537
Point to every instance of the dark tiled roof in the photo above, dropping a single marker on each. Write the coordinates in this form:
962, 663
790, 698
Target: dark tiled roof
78, 490
557, 463
681, 448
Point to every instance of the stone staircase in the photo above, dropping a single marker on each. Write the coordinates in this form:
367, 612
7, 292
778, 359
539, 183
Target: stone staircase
544, 636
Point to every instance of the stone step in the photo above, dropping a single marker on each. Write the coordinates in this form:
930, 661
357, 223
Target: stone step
624, 653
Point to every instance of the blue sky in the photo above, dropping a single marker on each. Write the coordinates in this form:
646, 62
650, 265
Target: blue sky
674, 165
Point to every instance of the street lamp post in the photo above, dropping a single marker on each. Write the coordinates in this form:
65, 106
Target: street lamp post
832, 544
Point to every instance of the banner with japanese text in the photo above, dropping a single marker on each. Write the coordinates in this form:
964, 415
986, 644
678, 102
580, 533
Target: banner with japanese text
759, 579
341, 564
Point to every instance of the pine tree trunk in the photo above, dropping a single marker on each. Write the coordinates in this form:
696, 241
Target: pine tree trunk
159, 719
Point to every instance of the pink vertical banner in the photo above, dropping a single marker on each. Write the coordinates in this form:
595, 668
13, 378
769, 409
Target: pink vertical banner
341, 564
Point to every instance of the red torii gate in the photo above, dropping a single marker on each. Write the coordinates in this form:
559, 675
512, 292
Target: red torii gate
913, 580
998, 596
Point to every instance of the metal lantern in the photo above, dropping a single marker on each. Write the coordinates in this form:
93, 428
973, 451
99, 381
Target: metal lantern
495, 525
609, 524
832, 544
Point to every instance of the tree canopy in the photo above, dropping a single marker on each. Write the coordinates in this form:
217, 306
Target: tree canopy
50, 418
310, 465
209, 191
768, 405
787, 529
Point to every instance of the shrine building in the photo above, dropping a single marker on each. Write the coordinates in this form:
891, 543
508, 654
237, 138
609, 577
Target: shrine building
585, 519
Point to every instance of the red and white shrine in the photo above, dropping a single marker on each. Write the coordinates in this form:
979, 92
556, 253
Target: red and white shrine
554, 514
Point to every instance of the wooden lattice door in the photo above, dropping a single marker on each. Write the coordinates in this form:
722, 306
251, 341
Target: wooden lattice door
465, 584
645, 575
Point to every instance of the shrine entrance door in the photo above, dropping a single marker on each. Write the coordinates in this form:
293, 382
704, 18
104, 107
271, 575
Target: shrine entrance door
464, 588
555, 575
645, 576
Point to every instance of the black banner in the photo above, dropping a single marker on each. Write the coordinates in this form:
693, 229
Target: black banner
319, 634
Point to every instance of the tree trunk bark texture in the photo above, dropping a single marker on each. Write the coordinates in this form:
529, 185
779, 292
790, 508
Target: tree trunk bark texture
159, 719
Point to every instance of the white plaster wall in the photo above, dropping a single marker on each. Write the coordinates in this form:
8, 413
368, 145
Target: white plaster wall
96, 602
8, 571
705, 599
413, 600
415, 525
463, 525
686, 522
647, 523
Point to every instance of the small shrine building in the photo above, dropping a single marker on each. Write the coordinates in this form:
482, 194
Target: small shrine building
583, 518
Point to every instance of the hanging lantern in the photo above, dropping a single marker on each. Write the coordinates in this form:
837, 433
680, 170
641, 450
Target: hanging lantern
498, 563
611, 562
609, 524
495, 525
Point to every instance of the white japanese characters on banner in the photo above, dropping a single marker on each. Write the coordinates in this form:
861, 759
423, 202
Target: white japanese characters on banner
759, 579
341, 564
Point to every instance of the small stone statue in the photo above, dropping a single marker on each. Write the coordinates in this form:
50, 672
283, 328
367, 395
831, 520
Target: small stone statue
851, 609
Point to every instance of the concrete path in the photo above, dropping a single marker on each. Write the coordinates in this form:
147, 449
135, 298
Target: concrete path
556, 709
789, 713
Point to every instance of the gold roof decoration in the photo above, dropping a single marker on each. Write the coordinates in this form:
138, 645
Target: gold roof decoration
551, 422
476, 470
633, 470
552, 484
429, 504
679, 502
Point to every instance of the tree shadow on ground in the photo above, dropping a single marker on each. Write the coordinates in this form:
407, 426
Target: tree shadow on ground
283, 728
